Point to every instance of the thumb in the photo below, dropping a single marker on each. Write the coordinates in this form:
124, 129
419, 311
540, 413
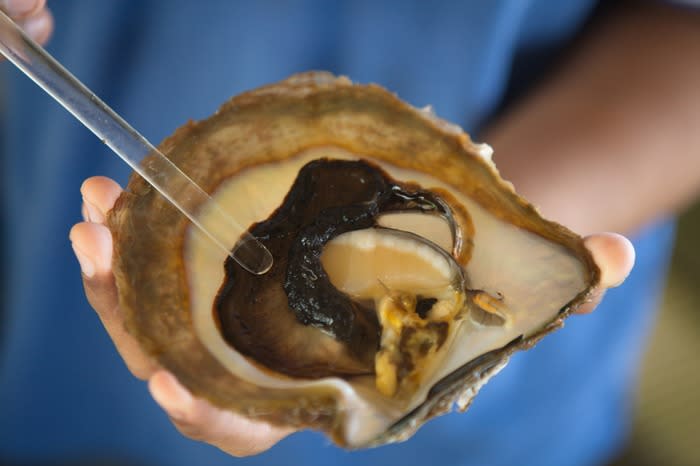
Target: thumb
614, 255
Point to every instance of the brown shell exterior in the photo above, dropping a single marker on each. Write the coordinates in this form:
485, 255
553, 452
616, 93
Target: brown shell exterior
269, 124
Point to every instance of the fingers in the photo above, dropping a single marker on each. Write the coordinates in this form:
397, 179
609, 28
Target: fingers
32, 16
92, 243
38, 26
195, 418
99, 195
199, 420
614, 255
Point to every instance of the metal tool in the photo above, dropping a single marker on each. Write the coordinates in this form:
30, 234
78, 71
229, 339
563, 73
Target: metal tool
128, 144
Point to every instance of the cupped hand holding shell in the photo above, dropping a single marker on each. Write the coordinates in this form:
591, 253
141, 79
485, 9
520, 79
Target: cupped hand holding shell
196, 418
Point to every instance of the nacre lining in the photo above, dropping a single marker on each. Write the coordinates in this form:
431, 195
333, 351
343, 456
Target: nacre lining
498, 246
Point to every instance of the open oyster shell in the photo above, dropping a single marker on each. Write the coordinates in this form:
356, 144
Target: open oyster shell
496, 277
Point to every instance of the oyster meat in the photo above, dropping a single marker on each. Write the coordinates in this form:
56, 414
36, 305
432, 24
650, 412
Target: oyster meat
406, 270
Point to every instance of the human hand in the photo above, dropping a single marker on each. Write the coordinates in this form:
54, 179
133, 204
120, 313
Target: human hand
614, 255
195, 418
31, 15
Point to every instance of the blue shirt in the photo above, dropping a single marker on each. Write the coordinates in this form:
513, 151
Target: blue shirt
64, 392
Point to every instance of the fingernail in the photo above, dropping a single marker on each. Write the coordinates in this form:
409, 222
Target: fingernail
86, 265
94, 215
19, 7
35, 26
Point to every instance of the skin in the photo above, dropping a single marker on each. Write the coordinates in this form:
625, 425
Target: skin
32, 15
616, 125
195, 418
617, 110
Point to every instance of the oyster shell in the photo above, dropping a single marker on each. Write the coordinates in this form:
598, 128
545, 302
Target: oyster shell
443, 283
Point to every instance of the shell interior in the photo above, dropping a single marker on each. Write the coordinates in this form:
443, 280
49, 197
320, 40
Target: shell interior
517, 275
531, 298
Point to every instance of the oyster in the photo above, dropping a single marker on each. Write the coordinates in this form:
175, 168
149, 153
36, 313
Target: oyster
406, 270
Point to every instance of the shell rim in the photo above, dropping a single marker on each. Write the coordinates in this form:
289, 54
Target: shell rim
298, 87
